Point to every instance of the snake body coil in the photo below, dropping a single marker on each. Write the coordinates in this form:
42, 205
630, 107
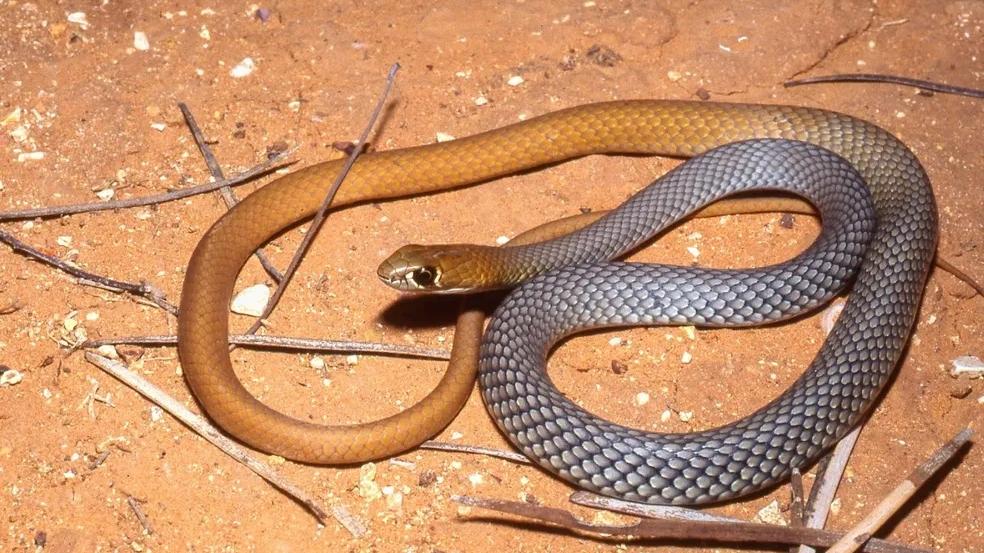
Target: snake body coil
850, 370
688, 468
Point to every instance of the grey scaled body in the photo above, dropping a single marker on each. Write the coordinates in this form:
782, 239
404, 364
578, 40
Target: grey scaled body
761, 449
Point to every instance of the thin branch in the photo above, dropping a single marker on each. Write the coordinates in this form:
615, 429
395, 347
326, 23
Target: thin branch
942, 263
797, 504
142, 289
322, 211
226, 192
861, 533
285, 342
668, 512
205, 430
476, 450
928, 86
691, 530
825, 486
61, 210
355, 525
141, 517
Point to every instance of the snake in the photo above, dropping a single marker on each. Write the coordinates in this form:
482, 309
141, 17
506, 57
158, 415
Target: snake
891, 277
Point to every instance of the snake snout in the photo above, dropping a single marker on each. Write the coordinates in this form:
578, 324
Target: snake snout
409, 270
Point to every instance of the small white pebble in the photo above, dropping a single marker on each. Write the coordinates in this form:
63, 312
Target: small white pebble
251, 301
317, 363
156, 413
524, 481
12, 117
79, 19
692, 250
92, 316
501, 240
444, 137
394, 501
457, 435
515, 80
64, 241
352, 360
243, 68
690, 331
29, 156
11, 377
294, 105
19, 134
69, 474
159, 127
970, 365
106, 194
686, 416
665, 415
835, 506
771, 514
481, 101
46, 393
673, 76
615, 342
686, 358
475, 479
455, 465
140, 41
641, 399
204, 33
108, 350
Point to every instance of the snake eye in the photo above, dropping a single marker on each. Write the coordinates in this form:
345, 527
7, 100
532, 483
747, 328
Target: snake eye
424, 276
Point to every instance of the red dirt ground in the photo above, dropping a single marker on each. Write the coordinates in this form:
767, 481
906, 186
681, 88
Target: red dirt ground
105, 116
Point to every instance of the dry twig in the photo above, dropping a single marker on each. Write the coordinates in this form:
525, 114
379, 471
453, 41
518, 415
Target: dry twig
268, 166
476, 450
205, 430
856, 537
323, 210
143, 289
928, 86
226, 192
668, 512
286, 342
141, 517
825, 486
669, 529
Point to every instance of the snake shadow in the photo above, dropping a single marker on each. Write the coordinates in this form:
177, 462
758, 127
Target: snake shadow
429, 311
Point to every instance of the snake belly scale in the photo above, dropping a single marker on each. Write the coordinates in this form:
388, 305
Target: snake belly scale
869, 336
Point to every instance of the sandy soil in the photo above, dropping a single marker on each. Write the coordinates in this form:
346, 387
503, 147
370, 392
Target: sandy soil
104, 115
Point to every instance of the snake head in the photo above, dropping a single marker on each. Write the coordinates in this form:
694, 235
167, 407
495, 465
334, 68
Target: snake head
444, 269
